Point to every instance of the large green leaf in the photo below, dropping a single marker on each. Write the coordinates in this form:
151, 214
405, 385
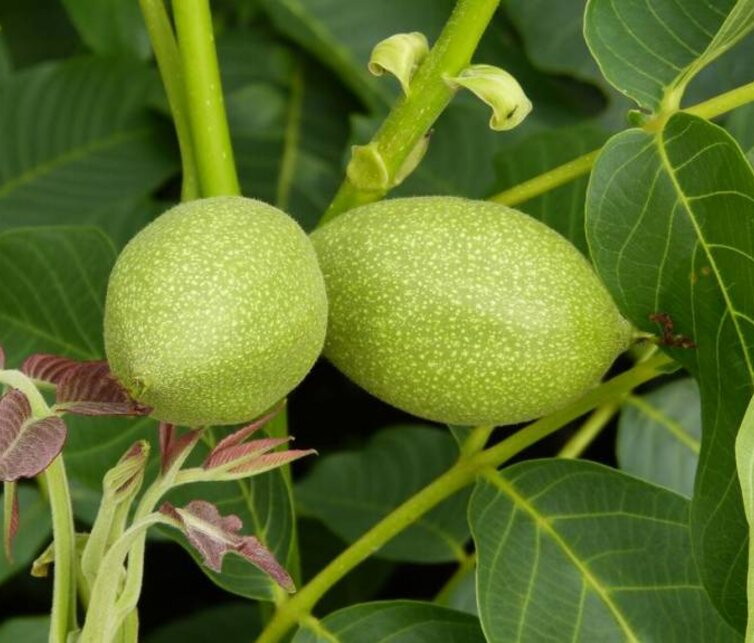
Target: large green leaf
288, 121
5, 62
741, 125
78, 142
562, 208
745, 467
553, 32
659, 435
228, 623
650, 51
52, 291
110, 27
26, 629
574, 551
404, 621
33, 532
670, 224
395, 464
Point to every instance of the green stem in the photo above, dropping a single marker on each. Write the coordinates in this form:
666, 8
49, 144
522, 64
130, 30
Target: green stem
209, 125
411, 119
572, 170
169, 62
64, 543
548, 180
588, 431
723, 102
460, 475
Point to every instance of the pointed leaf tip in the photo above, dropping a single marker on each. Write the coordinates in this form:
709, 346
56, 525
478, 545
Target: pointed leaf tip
214, 535
27, 445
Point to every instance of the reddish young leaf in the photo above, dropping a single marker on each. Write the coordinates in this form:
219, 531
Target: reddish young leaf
214, 535
173, 445
11, 518
2, 358
239, 436
241, 452
83, 388
27, 445
270, 461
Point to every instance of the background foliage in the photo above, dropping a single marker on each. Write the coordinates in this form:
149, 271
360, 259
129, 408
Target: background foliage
88, 157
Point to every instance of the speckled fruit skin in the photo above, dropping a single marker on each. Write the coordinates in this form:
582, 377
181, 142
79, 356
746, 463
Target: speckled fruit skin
464, 312
215, 311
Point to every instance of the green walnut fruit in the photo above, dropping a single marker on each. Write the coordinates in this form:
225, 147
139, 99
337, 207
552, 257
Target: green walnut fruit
215, 311
464, 312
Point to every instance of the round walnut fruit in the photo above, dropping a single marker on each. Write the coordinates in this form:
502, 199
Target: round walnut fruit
215, 311
464, 312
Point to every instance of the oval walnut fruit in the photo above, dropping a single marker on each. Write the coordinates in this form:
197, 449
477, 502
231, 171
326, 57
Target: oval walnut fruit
464, 312
215, 311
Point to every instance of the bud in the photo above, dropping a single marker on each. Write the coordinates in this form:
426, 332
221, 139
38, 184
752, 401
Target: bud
501, 91
399, 55
412, 160
367, 170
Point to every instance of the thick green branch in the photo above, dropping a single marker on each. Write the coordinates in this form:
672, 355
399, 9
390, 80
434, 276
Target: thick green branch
460, 475
169, 62
412, 118
206, 108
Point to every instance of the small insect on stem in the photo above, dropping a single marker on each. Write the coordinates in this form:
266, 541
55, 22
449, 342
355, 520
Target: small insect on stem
670, 338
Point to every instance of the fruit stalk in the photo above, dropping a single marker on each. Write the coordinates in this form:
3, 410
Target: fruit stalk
206, 108
460, 475
169, 62
413, 116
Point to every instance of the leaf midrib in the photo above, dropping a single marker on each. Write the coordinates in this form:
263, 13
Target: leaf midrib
542, 524
687, 206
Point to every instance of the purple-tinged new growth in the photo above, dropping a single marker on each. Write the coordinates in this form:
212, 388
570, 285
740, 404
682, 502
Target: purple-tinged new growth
214, 535
27, 444
83, 388
235, 456
173, 445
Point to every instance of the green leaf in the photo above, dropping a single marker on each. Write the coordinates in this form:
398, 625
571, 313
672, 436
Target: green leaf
745, 466
574, 551
111, 27
342, 34
264, 505
29, 629
5, 63
395, 464
412, 621
33, 533
79, 142
229, 623
289, 124
741, 126
52, 291
659, 435
651, 52
562, 208
670, 223
553, 33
